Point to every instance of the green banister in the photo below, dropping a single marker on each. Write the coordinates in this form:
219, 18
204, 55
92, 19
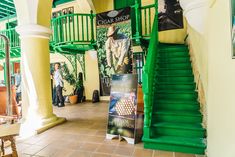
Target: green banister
148, 74
137, 35
92, 27
146, 13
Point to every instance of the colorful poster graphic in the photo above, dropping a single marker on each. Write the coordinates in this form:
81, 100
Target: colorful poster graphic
114, 45
123, 107
170, 15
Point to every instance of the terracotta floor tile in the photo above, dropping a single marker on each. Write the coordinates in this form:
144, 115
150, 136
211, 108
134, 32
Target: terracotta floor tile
163, 154
80, 154
100, 155
184, 155
106, 148
83, 135
32, 150
91, 147
48, 151
124, 150
140, 152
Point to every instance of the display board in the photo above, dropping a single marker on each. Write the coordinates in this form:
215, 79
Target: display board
123, 120
113, 45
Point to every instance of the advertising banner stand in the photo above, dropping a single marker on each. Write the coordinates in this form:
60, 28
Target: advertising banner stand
124, 122
113, 45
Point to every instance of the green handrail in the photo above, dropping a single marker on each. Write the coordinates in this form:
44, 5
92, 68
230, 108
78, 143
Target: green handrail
72, 28
148, 77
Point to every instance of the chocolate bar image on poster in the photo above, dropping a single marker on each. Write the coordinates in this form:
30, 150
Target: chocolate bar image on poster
170, 15
113, 16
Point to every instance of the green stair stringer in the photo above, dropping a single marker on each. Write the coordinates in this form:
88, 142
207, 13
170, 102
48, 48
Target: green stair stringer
148, 76
173, 121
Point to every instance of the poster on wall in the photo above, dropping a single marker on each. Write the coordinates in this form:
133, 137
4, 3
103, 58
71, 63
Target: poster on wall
114, 45
123, 120
233, 27
170, 15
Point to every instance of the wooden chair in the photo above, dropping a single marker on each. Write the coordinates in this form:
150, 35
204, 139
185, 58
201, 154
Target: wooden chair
8, 130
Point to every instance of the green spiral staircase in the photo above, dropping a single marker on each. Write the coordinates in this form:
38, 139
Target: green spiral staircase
173, 121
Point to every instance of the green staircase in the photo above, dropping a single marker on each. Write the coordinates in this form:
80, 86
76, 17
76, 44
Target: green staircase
173, 121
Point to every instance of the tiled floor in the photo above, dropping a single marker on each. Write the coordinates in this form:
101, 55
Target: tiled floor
83, 135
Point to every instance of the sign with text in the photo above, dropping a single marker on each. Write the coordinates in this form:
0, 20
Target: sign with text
122, 120
114, 45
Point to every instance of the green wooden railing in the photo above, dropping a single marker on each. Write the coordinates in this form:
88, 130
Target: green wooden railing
147, 16
13, 40
73, 29
148, 77
80, 29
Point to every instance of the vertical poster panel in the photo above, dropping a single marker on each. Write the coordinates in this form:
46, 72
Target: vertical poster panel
114, 45
233, 27
123, 107
170, 15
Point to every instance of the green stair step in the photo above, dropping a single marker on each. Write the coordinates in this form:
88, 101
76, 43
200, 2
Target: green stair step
176, 144
165, 54
178, 116
172, 47
168, 60
176, 96
175, 72
165, 91
190, 87
177, 102
175, 65
178, 129
176, 107
168, 79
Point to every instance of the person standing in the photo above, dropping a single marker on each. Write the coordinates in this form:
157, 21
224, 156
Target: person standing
59, 85
18, 85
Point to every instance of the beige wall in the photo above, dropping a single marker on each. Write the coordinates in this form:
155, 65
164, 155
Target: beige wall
91, 82
103, 5
221, 83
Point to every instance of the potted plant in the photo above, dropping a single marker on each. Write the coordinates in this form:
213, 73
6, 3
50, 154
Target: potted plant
73, 81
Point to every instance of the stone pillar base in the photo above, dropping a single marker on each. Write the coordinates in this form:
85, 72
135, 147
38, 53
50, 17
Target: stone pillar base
48, 125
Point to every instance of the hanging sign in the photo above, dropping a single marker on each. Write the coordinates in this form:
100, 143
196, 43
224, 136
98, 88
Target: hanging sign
114, 45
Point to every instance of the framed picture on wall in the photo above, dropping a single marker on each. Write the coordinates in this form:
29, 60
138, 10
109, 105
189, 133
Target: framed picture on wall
233, 27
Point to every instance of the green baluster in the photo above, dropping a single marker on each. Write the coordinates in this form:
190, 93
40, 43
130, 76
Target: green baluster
138, 20
92, 27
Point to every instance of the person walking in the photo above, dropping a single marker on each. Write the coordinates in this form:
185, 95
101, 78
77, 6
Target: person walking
59, 86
